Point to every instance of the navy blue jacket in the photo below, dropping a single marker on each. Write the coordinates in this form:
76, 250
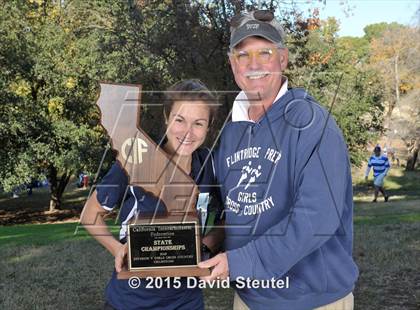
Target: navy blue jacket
287, 191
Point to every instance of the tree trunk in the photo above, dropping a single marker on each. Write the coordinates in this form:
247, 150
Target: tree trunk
57, 187
395, 103
397, 81
55, 203
412, 158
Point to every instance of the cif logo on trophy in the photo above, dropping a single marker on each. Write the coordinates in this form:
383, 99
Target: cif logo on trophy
159, 245
132, 150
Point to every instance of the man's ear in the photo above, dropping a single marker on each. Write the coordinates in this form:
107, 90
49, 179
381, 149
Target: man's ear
284, 58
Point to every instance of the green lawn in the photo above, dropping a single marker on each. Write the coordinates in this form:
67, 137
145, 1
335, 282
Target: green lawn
393, 212
45, 234
48, 266
53, 266
387, 251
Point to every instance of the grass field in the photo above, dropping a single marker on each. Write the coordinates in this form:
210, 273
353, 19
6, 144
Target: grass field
48, 266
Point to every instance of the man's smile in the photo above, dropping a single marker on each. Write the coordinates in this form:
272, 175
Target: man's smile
256, 75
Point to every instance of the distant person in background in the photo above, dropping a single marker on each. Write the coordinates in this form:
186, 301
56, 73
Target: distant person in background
85, 181
381, 167
15, 192
29, 186
391, 154
80, 181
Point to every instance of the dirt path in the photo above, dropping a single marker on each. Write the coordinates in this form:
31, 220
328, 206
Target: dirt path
30, 216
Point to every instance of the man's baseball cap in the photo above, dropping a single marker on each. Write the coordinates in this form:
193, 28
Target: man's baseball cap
377, 148
256, 28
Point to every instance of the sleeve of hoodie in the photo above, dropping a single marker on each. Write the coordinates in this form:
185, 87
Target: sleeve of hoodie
321, 194
112, 188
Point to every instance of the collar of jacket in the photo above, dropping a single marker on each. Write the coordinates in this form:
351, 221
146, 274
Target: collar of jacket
241, 104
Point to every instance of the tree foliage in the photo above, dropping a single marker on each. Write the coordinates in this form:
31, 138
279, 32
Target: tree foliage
335, 72
391, 55
51, 58
394, 57
375, 31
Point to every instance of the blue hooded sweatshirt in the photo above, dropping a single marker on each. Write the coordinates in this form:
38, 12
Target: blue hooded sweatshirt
287, 191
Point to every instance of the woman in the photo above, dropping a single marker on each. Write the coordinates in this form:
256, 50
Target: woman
189, 110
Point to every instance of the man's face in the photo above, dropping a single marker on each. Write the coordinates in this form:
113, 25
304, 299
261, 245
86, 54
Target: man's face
260, 80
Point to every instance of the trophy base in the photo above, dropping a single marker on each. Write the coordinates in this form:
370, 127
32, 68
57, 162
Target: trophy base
166, 246
165, 272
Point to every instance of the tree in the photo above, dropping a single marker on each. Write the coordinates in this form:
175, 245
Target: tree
51, 58
389, 55
328, 65
394, 56
405, 120
375, 31
405, 124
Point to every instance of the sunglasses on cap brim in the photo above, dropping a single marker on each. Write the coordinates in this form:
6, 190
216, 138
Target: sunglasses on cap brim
261, 15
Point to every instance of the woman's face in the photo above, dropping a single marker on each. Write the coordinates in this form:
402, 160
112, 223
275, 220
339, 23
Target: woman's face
187, 126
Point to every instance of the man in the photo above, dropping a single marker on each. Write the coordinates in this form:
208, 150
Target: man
380, 166
286, 184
